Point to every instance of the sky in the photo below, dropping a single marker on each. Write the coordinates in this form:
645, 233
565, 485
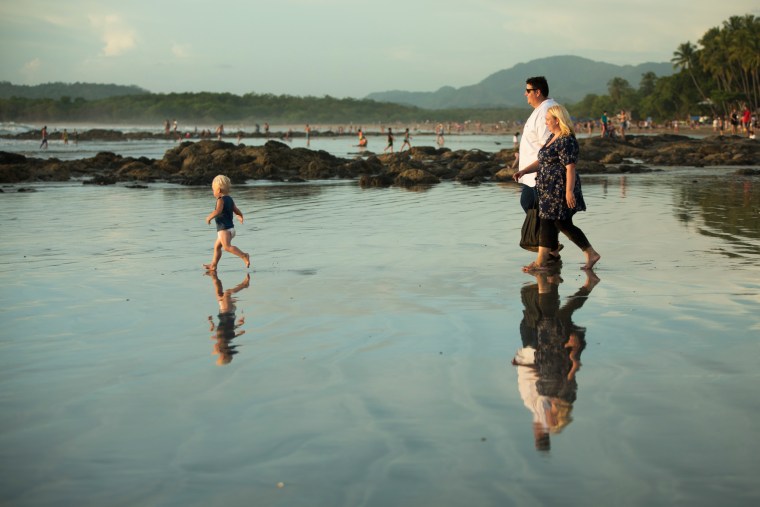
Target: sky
339, 48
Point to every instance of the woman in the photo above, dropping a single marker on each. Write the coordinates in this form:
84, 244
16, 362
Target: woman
559, 191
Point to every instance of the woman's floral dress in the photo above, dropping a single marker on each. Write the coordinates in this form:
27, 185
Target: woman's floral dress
552, 176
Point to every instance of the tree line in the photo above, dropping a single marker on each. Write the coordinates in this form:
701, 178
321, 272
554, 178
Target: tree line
718, 75
207, 107
87, 91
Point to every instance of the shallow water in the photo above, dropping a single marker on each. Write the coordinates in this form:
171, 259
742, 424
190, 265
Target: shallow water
341, 146
372, 362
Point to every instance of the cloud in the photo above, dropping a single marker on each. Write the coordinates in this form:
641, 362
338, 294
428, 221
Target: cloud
181, 50
31, 67
401, 54
118, 37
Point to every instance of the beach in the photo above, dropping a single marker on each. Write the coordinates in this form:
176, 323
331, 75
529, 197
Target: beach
370, 357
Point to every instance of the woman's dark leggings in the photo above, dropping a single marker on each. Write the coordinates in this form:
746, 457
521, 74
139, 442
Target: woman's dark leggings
550, 229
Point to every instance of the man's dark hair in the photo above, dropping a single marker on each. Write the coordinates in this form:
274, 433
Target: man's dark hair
540, 83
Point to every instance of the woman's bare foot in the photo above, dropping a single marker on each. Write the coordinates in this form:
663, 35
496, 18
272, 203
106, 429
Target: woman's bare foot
592, 257
209, 267
247, 260
591, 279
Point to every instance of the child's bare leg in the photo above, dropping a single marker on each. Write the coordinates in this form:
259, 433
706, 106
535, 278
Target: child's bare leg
228, 246
217, 255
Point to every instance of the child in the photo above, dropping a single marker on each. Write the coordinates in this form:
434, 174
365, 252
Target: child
225, 207
226, 330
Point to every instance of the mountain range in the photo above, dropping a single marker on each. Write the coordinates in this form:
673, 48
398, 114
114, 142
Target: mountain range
570, 79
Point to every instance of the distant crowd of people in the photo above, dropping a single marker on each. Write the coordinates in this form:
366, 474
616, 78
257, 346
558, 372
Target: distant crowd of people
740, 121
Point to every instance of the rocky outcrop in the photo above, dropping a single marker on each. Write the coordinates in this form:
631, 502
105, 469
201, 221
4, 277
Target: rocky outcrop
673, 150
196, 163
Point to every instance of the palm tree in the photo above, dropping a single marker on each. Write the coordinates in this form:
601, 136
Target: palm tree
684, 58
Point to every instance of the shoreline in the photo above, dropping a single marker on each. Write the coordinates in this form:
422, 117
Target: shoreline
94, 132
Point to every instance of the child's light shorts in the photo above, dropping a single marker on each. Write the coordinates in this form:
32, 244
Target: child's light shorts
231, 230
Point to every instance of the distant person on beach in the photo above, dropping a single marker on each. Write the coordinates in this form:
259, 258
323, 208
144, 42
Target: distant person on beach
65, 137
746, 117
604, 121
407, 141
219, 132
390, 141
308, 134
226, 330
559, 191
222, 214
44, 138
439, 134
622, 118
362, 139
515, 140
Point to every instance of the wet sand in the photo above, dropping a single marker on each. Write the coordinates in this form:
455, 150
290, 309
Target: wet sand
372, 362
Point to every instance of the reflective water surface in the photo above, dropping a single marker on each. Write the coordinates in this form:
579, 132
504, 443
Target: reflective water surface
385, 350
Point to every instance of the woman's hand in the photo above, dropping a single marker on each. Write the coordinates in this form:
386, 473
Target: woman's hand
517, 175
570, 198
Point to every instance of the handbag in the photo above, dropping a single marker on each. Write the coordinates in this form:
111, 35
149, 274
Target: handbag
531, 228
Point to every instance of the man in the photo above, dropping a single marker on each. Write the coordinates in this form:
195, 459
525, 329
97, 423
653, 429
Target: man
535, 133
534, 136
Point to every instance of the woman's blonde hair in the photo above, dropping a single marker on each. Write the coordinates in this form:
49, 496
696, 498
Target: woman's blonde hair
223, 183
563, 417
565, 123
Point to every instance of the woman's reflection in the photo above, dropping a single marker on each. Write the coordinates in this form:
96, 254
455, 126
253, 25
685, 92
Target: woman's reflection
226, 330
550, 355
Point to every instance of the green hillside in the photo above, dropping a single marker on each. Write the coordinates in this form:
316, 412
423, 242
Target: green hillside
570, 79
56, 91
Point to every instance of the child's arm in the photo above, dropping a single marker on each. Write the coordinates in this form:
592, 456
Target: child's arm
216, 212
239, 213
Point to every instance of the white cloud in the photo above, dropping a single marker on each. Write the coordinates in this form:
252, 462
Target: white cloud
118, 37
181, 50
31, 67
401, 54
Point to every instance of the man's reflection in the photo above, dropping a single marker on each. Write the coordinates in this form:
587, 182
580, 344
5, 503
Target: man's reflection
226, 330
550, 355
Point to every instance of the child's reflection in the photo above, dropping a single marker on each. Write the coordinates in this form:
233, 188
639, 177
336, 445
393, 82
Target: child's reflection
226, 330
550, 355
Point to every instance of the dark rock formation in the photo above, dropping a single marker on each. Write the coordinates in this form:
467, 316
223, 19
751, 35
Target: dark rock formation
196, 163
